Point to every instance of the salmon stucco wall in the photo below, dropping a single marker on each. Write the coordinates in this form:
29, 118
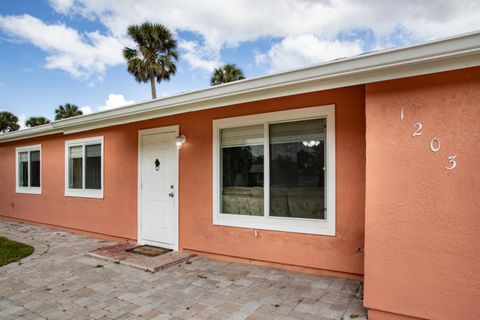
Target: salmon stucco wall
116, 215
339, 253
422, 220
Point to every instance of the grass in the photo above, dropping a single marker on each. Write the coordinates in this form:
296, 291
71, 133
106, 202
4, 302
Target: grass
12, 251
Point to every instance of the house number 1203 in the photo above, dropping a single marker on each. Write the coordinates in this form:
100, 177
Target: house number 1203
434, 143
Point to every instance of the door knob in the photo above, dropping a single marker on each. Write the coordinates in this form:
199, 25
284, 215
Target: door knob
171, 194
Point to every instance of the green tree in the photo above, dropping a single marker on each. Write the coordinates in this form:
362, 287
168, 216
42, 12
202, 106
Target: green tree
66, 111
36, 121
226, 73
8, 122
155, 55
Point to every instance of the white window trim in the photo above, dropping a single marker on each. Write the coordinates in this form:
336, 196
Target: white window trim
29, 190
84, 193
299, 225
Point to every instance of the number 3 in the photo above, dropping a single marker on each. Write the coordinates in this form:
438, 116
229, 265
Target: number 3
453, 162
418, 126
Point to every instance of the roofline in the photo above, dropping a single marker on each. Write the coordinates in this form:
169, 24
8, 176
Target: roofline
457, 52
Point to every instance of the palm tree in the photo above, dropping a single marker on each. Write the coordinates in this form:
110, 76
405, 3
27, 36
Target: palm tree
153, 59
8, 122
66, 111
226, 73
36, 121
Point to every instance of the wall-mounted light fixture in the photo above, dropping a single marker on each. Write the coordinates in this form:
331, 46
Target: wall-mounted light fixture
180, 140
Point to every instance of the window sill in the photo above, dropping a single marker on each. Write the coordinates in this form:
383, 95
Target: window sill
306, 226
84, 193
29, 190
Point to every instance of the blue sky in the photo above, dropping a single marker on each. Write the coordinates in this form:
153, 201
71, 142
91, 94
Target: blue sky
57, 51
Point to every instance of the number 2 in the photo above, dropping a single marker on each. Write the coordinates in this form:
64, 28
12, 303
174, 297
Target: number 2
418, 129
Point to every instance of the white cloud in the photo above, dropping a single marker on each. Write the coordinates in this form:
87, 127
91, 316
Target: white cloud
199, 57
115, 101
22, 118
81, 55
224, 24
293, 52
62, 5
228, 23
86, 109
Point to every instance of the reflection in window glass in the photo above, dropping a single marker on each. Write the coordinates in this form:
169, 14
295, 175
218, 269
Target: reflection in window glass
242, 170
93, 166
297, 161
75, 163
23, 169
35, 168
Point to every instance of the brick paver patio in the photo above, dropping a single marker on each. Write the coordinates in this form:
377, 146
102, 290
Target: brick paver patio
59, 282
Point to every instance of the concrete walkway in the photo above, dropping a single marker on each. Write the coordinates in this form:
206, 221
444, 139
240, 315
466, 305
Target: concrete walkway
59, 282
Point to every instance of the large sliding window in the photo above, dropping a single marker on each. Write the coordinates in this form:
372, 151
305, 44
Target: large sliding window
84, 167
276, 171
29, 169
297, 164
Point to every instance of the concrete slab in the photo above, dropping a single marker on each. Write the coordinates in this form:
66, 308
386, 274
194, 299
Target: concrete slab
118, 254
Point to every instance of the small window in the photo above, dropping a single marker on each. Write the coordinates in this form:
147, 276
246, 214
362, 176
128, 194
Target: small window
84, 168
29, 169
276, 171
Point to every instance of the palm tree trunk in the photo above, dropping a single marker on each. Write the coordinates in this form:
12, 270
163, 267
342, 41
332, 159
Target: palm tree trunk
152, 83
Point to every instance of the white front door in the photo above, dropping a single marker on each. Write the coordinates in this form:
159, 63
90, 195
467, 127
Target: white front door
158, 170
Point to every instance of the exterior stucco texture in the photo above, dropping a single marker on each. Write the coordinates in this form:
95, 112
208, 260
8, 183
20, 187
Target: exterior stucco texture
422, 220
116, 214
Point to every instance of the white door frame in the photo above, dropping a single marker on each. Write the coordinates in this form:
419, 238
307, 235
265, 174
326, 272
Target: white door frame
142, 133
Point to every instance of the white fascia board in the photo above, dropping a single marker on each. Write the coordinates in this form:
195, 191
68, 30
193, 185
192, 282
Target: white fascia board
34, 132
441, 55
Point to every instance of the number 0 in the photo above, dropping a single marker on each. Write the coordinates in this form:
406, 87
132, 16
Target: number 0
435, 144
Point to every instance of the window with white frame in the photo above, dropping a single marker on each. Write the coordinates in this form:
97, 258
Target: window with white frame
84, 167
276, 171
29, 169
